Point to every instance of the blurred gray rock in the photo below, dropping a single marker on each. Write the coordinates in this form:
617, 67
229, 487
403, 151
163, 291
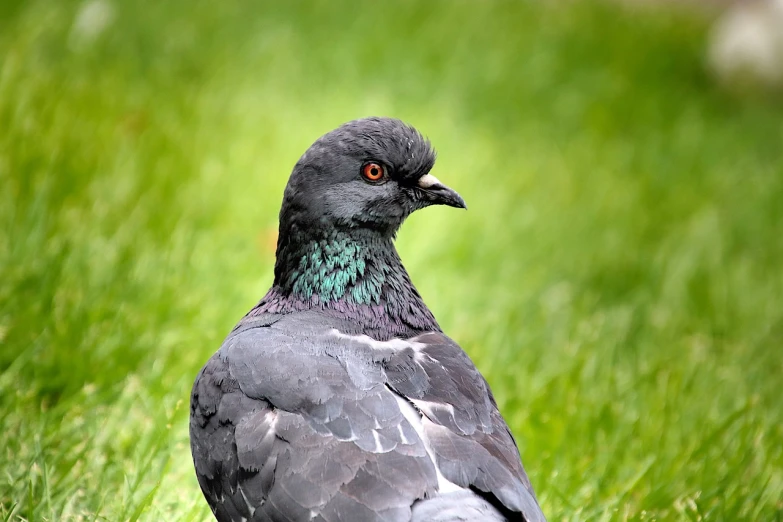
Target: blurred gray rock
746, 44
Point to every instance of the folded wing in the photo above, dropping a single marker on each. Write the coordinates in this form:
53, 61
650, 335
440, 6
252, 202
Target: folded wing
286, 429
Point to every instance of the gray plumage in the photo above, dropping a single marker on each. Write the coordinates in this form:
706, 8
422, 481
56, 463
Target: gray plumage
352, 405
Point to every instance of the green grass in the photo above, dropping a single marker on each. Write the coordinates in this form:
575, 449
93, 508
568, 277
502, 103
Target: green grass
617, 278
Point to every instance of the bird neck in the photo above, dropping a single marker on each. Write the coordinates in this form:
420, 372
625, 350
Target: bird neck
354, 274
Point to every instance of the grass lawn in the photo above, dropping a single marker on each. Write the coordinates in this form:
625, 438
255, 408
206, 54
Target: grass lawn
618, 277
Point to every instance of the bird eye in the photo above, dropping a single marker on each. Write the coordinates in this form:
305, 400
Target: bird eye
373, 172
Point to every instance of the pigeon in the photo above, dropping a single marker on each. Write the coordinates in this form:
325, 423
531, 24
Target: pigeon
338, 397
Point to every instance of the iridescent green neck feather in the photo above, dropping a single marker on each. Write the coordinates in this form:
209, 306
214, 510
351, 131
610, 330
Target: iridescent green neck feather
333, 268
356, 275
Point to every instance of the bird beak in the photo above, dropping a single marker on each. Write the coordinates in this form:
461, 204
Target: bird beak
439, 194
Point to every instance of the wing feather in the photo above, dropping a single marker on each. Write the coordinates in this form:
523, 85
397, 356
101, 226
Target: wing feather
292, 420
472, 444
275, 444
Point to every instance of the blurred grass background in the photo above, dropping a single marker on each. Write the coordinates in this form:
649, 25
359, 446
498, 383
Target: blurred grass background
617, 278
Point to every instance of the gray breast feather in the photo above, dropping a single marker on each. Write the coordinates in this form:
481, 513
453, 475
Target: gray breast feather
286, 426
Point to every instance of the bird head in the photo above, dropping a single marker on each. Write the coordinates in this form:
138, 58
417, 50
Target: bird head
370, 173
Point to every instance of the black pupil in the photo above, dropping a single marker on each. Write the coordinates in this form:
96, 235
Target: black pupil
374, 171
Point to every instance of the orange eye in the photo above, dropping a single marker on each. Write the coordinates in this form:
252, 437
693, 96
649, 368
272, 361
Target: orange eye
373, 172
